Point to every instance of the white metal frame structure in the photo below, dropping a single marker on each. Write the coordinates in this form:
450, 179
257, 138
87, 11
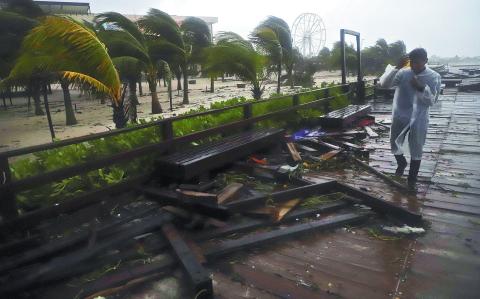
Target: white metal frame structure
309, 34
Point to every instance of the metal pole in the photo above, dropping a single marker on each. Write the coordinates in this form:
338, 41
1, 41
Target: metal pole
342, 55
359, 61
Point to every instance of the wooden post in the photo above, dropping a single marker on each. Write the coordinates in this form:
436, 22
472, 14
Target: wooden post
248, 113
167, 133
8, 205
295, 100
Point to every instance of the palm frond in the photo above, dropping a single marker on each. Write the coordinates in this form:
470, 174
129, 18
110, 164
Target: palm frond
159, 24
66, 46
121, 22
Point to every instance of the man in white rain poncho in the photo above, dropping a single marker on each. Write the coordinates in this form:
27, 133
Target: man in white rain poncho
417, 88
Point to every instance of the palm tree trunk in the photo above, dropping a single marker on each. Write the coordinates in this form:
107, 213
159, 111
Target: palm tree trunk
47, 109
279, 79
212, 84
170, 97
152, 85
179, 79
290, 76
36, 99
132, 101
4, 101
256, 91
185, 85
67, 100
119, 117
140, 90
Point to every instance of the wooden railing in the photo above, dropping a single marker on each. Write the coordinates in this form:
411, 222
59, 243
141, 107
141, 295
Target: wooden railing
10, 187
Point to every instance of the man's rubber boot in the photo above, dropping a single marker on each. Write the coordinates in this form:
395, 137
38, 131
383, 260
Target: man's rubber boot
401, 165
412, 174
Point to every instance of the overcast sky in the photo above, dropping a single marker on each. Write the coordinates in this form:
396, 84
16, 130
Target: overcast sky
443, 27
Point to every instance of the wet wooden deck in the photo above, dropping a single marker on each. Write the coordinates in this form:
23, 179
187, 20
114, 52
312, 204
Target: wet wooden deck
351, 263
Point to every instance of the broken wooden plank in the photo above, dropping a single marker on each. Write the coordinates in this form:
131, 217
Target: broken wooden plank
257, 239
329, 155
283, 209
64, 243
370, 132
385, 177
293, 152
255, 223
209, 198
300, 192
200, 187
381, 206
228, 192
345, 116
197, 274
123, 276
169, 197
55, 268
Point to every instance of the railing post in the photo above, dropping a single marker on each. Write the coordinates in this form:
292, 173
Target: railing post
295, 100
248, 113
167, 133
8, 205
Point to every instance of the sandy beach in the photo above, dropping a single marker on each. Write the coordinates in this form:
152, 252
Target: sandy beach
20, 127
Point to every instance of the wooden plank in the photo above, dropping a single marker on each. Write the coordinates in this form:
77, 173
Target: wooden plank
293, 152
370, 132
169, 197
24, 221
385, 177
329, 155
257, 239
382, 206
229, 192
300, 192
56, 246
283, 209
201, 196
196, 273
255, 223
56, 268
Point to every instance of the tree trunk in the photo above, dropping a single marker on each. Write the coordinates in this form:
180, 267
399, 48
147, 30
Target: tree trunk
165, 82
212, 84
279, 79
67, 100
185, 86
140, 90
36, 99
47, 109
179, 79
119, 117
170, 97
132, 101
152, 85
4, 101
290, 76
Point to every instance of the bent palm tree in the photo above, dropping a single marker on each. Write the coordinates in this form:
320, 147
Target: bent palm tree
128, 41
234, 55
63, 47
274, 37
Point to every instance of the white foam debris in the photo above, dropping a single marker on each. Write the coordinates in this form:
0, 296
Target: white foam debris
405, 229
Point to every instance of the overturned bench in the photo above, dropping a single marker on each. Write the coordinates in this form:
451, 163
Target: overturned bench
344, 117
185, 165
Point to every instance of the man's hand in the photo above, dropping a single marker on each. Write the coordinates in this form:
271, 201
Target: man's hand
417, 84
402, 62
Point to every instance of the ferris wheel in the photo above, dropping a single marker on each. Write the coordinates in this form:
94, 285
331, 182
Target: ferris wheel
309, 34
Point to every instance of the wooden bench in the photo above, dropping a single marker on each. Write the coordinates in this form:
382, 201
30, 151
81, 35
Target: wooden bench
344, 117
201, 159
